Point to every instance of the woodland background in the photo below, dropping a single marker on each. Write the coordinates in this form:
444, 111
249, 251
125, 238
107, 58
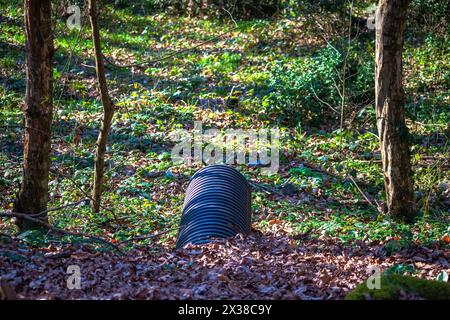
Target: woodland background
306, 67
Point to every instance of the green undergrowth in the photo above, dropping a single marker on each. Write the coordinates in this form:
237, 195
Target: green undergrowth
263, 73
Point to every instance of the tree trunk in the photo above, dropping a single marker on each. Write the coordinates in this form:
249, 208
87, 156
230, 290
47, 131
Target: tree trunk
190, 8
390, 109
33, 195
204, 8
108, 109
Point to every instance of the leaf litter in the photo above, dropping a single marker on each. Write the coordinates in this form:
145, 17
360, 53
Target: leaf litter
258, 266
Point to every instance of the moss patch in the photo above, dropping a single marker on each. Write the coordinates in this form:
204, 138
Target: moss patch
394, 286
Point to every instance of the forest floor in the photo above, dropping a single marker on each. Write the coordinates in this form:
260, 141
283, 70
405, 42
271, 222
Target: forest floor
318, 222
255, 267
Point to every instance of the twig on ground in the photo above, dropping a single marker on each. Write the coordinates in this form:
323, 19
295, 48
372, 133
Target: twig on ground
72, 204
83, 192
149, 236
377, 206
265, 189
57, 230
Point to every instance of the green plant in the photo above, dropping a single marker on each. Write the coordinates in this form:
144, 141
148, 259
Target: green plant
294, 89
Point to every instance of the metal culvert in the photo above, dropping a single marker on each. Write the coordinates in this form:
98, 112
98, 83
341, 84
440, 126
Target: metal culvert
217, 205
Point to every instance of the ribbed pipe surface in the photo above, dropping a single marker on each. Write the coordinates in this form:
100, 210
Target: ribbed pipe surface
217, 205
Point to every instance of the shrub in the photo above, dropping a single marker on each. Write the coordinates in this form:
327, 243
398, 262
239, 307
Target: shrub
293, 89
307, 90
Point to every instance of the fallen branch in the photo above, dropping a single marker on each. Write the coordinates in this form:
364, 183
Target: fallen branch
57, 230
150, 236
377, 206
72, 204
262, 188
115, 217
83, 192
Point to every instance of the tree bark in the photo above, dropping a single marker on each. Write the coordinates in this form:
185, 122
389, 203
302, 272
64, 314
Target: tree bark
390, 109
190, 8
204, 8
33, 195
108, 110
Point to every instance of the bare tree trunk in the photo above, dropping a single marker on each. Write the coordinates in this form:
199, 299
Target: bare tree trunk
390, 109
190, 8
108, 110
204, 7
33, 194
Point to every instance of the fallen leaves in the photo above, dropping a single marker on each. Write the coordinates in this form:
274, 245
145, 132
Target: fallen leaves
446, 239
255, 267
